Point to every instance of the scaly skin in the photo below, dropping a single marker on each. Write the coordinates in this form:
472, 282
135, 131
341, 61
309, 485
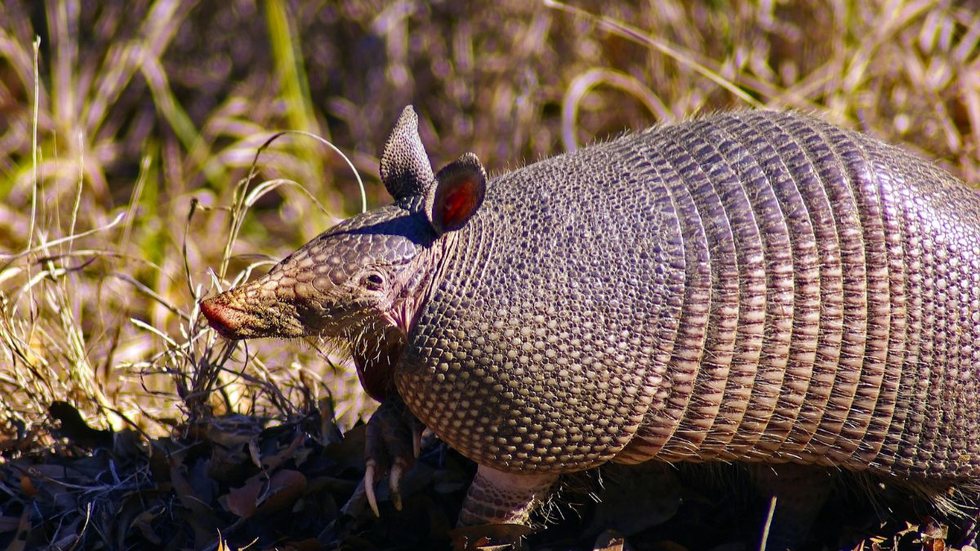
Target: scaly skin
757, 287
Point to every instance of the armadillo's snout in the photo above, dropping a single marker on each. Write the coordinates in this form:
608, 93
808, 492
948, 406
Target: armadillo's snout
251, 312
221, 317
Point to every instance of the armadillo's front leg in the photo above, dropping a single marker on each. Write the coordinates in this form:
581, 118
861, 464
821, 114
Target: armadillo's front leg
392, 444
496, 497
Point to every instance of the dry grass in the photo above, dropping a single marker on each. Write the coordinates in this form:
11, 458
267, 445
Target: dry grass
121, 165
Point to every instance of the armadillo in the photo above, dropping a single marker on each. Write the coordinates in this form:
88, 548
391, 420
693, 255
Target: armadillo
755, 286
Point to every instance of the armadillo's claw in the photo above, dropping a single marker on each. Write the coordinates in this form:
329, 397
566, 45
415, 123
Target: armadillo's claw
369, 469
394, 441
394, 483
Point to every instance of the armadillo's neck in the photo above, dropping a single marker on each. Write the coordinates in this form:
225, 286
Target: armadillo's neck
414, 292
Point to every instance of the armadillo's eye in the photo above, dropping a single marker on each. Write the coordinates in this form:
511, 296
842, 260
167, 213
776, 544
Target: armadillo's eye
373, 281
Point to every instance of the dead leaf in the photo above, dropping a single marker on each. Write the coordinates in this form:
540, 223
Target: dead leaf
285, 488
261, 496
610, 540
273, 462
198, 514
243, 501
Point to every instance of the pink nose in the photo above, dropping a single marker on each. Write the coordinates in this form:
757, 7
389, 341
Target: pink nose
221, 318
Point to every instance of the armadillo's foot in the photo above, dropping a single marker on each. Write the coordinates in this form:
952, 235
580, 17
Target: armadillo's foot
497, 497
393, 442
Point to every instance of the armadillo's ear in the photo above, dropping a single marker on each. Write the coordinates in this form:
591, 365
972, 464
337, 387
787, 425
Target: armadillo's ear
457, 195
405, 168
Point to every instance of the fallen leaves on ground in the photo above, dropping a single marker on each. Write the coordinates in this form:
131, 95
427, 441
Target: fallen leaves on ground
240, 482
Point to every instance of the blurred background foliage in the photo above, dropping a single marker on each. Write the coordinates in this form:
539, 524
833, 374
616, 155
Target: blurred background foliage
116, 183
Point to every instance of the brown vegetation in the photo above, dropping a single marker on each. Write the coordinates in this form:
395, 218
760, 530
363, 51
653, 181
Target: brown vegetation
127, 129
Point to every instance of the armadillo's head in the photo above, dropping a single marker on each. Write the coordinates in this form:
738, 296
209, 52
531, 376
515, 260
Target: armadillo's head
364, 280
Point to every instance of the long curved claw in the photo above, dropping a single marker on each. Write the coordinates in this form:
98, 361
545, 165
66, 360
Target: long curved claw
369, 470
394, 482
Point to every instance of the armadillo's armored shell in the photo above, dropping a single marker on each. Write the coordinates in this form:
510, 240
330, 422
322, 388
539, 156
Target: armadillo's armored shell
753, 286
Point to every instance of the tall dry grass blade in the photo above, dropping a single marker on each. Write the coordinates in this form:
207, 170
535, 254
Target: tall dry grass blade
35, 180
582, 84
245, 198
632, 33
292, 78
